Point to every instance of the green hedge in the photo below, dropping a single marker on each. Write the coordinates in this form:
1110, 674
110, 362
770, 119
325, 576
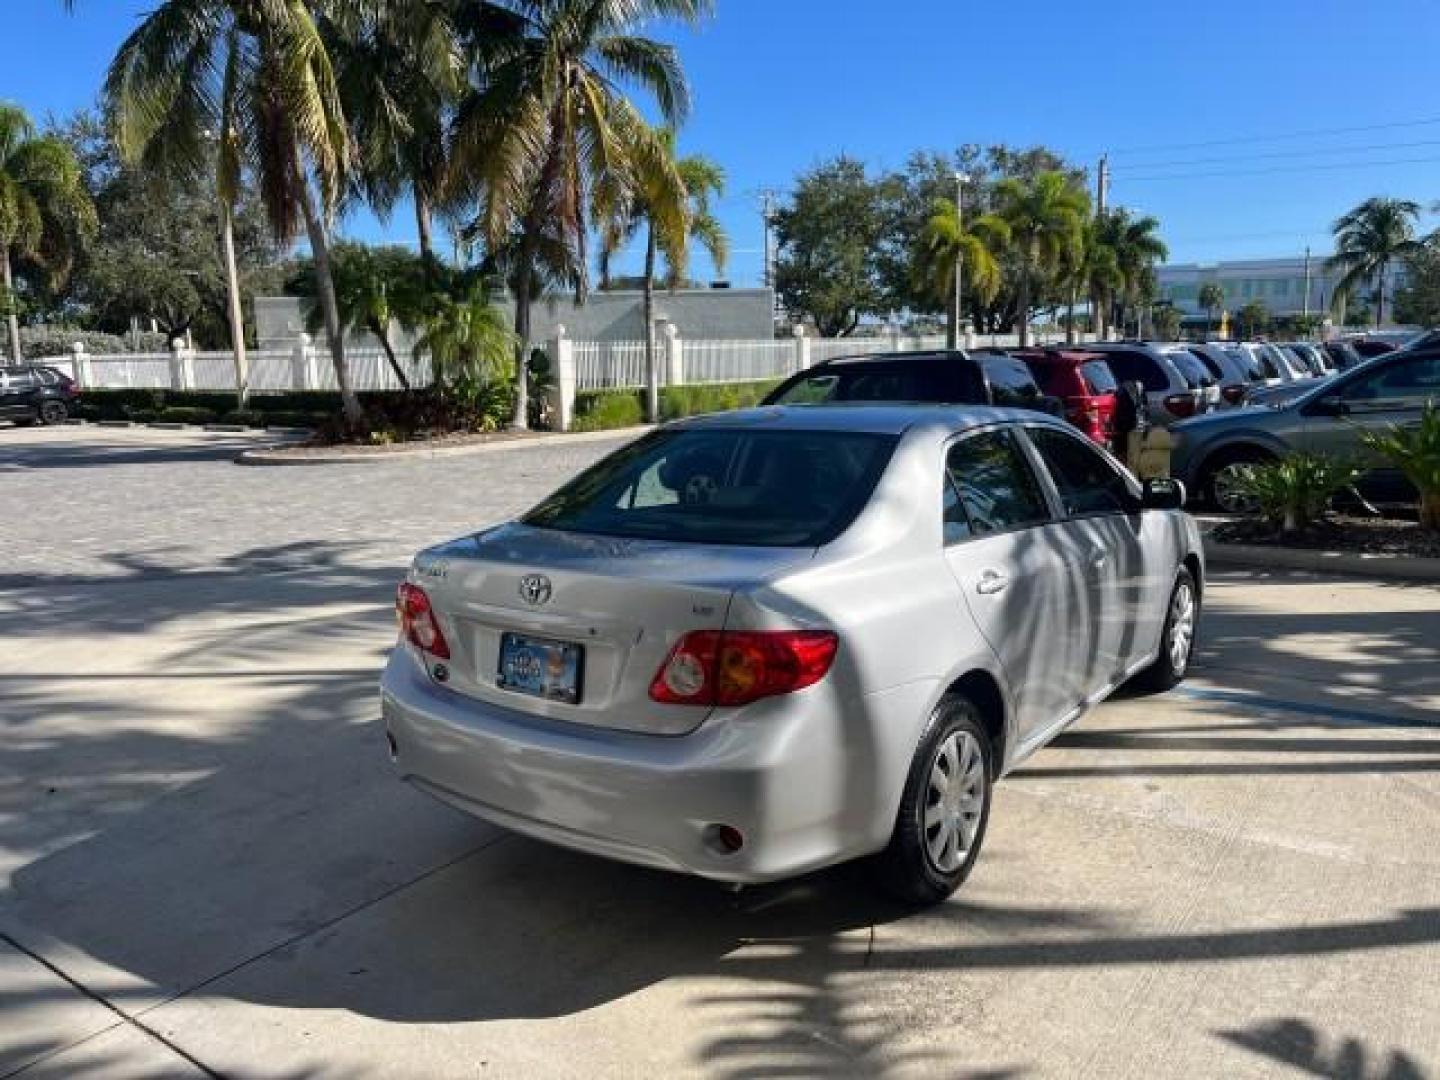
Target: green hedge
601, 410
186, 414
297, 408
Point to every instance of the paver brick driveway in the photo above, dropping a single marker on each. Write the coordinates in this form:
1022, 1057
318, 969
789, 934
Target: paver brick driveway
206, 867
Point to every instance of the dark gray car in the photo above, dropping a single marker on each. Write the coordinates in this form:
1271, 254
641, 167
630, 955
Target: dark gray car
1327, 419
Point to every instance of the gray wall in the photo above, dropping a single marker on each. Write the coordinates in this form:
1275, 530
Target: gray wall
699, 314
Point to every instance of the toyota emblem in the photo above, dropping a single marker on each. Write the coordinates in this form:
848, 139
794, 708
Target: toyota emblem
535, 588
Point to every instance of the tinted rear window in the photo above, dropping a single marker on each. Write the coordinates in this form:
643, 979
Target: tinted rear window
930, 381
1099, 377
1211, 364
1138, 367
762, 488
1194, 371
1011, 383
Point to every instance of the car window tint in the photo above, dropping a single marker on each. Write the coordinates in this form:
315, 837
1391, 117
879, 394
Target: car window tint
1098, 377
1011, 383
996, 484
1193, 371
1088, 484
1211, 364
1416, 378
811, 390
1137, 367
896, 385
956, 521
715, 486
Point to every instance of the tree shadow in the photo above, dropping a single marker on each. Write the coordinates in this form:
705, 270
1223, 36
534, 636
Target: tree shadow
1299, 1045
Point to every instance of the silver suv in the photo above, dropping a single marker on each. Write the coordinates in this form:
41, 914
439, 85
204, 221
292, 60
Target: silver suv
1177, 385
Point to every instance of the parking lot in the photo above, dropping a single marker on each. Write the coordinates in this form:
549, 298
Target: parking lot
207, 868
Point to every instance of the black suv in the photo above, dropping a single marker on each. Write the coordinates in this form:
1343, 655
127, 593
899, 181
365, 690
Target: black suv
35, 392
953, 377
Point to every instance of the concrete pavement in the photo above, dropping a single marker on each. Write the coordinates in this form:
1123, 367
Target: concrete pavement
206, 867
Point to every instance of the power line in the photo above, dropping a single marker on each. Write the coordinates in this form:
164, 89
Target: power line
1277, 136
1275, 154
1283, 169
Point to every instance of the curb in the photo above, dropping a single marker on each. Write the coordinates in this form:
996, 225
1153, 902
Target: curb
274, 456
1409, 568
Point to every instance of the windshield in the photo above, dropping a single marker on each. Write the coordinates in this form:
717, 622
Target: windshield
1194, 371
717, 486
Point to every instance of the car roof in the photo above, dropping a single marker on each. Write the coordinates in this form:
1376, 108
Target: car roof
926, 355
867, 417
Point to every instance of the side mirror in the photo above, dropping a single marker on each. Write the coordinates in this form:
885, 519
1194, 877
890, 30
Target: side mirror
1162, 493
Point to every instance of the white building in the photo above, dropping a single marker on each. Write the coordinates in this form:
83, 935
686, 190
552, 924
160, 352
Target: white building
1279, 284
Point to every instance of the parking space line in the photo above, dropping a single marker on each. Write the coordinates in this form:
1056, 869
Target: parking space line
1355, 717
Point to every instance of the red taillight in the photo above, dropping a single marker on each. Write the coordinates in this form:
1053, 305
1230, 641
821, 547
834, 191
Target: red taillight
734, 667
1180, 405
417, 620
1233, 394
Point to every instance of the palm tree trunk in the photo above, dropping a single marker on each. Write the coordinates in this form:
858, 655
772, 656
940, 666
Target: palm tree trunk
1070, 337
422, 224
520, 421
1024, 313
1380, 295
329, 308
382, 334
952, 311
11, 317
647, 309
236, 313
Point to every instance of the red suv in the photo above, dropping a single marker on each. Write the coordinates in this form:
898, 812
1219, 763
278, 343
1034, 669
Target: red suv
1082, 380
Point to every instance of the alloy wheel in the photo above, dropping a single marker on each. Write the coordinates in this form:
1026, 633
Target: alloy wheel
1228, 490
53, 412
1182, 627
954, 801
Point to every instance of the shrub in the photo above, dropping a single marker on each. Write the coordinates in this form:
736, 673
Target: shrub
186, 414
248, 417
600, 410
1294, 492
1415, 451
40, 342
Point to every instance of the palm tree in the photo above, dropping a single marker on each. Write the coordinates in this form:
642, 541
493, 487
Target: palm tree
1137, 247
375, 287
1367, 240
45, 212
1212, 299
1089, 268
946, 245
550, 124
669, 197
468, 342
253, 78
1046, 216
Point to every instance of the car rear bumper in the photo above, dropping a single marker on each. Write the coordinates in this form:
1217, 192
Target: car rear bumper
778, 771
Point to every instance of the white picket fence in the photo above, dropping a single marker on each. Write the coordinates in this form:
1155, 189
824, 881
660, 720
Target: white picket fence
302, 368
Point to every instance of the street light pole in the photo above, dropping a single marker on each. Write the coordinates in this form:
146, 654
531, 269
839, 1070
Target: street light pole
954, 335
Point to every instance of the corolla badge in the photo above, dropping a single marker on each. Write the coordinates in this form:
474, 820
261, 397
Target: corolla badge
535, 588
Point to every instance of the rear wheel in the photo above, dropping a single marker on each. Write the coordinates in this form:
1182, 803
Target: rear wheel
1222, 482
945, 807
1177, 639
53, 411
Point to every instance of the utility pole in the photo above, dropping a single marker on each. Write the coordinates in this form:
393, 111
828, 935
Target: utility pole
767, 216
1102, 184
954, 333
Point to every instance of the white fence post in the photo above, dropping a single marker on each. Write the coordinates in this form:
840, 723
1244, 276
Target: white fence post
897, 343
674, 356
82, 364
802, 348
182, 366
562, 403
302, 364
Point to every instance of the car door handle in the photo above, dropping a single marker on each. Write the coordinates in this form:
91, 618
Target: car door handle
991, 582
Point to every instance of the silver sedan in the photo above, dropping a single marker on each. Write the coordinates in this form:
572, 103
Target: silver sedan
758, 643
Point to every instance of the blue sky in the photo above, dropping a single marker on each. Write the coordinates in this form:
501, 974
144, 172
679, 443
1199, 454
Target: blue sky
782, 84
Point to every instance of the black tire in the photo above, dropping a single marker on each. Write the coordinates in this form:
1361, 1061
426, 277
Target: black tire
1224, 459
52, 411
906, 868
1173, 664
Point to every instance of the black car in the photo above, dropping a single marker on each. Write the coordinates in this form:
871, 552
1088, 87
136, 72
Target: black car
949, 376
37, 393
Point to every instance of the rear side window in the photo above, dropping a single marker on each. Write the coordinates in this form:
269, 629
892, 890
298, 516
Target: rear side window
937, 381
1011, 383
1211, 364
991, 482
1098, 377
1059, 380
1088, 484
1137, 367
1193, 371
1416, 379
762, 488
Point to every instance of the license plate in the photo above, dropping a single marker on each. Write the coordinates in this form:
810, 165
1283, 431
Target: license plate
541, 668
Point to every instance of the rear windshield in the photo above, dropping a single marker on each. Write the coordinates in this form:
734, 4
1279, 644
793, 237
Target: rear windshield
762, 488
1194, 371
1011, 383
1099, 377
931, 381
